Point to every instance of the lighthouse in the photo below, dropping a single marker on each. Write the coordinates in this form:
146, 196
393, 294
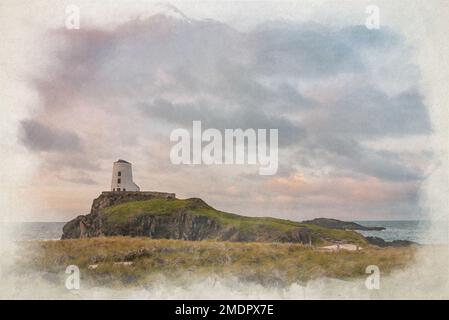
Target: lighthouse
122, 177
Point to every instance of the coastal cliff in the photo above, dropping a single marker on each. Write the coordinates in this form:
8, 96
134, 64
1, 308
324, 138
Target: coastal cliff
163, 216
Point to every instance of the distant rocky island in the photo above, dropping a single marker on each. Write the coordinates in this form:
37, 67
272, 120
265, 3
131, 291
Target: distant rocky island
338, 224
160, 215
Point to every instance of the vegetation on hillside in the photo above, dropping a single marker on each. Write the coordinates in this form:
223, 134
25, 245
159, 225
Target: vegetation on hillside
124, 212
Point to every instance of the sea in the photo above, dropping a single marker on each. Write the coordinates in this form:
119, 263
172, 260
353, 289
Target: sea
419, 231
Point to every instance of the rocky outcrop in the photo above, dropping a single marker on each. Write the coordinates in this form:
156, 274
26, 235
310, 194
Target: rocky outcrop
395, 243
177, 225
91, 225
186, 221
338, 224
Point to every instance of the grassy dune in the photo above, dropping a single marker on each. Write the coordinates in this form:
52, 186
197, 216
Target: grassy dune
266, 263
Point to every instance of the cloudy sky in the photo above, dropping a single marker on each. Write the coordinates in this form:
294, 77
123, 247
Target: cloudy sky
355, 127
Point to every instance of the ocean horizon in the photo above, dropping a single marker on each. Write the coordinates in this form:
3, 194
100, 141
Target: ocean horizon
420, 231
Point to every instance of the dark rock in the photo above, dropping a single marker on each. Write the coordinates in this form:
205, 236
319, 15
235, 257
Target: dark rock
395, 243
338, 224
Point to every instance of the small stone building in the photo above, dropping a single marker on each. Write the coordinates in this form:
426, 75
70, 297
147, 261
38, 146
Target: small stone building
122, 177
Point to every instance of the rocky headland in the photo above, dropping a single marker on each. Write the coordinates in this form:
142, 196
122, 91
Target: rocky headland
162, 216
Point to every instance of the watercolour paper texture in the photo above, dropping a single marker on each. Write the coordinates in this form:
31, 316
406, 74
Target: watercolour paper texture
224, 149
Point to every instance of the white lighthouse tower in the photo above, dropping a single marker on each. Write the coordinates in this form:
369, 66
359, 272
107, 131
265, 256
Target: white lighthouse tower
122, 177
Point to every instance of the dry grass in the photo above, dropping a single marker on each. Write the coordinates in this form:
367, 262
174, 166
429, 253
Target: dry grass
266, 263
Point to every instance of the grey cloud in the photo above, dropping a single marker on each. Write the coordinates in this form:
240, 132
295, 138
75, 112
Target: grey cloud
382, 38
304, 50
368, 112
82, 161
40, 137
162, 72
350, 157
146, 62
223, 118
79, 180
